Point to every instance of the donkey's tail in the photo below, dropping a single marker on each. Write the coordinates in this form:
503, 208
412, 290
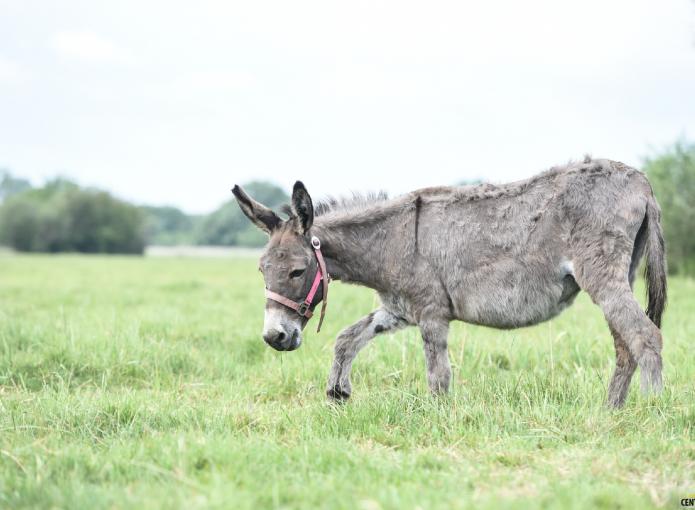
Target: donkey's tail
655, 267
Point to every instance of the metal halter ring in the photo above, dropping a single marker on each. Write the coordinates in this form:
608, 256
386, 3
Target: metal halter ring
303, 308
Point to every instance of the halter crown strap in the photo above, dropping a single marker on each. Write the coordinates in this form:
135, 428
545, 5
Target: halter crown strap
303, 307
316, 244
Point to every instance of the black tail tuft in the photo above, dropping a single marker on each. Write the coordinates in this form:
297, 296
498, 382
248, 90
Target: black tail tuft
655, 268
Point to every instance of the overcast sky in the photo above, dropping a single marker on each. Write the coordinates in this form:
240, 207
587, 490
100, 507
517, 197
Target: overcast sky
174, 102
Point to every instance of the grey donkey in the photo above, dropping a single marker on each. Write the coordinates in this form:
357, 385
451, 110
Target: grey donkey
502, 256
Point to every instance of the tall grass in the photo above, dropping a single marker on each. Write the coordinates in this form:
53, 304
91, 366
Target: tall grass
130, 382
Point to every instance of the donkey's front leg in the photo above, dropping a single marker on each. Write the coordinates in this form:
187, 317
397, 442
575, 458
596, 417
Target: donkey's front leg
434, 336
349, 343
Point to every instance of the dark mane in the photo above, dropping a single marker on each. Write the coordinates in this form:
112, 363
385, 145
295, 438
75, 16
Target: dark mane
356, 201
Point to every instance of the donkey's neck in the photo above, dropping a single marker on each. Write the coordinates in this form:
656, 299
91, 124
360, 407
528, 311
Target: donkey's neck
349, 253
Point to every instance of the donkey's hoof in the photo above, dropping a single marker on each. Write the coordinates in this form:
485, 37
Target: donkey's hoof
650, 374
337, 394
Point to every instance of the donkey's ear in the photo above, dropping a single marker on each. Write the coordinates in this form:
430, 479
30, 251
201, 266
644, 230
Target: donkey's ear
260, 215
302, 207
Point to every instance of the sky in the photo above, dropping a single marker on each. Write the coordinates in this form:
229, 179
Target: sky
167, 102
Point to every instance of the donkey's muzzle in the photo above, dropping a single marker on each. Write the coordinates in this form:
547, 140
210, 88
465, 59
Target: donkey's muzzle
281, 341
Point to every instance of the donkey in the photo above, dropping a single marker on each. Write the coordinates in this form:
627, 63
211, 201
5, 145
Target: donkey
504, 256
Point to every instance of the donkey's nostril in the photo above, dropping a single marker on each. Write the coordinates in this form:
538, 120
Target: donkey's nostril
274, 337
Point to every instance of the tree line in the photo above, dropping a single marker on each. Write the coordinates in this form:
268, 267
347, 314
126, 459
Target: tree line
62, 216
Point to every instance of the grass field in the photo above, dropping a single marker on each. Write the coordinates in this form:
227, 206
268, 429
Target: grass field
139, 382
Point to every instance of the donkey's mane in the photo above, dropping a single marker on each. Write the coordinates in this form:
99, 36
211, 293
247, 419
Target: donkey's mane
355, 202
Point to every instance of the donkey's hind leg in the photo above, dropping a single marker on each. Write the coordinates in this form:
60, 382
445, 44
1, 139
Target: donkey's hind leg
625, 366
635, 335
350, 341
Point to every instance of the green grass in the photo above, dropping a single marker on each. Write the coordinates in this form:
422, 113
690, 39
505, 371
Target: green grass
129, 382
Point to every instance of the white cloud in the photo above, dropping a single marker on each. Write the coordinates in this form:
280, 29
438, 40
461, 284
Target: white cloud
9, 71
87, 46
217, 80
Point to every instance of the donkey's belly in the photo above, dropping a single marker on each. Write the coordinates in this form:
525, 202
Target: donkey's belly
518, 298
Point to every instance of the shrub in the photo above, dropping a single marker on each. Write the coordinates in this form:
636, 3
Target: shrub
63, 217
672, 175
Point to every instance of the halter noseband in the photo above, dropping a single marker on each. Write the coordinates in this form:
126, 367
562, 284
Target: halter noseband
303, 307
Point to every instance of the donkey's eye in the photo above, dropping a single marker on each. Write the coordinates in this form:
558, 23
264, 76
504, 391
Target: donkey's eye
297, 273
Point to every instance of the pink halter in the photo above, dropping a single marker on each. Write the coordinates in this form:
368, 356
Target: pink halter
302, 307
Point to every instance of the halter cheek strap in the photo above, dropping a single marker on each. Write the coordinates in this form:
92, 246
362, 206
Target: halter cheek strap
303, 307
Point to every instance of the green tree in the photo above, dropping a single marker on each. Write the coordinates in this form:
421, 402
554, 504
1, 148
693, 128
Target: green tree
11, 185
63, 217
672, 175
169, 226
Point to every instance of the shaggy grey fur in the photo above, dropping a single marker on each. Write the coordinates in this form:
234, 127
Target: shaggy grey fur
503, 256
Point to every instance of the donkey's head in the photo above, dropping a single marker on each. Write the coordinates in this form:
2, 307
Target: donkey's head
288, 265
